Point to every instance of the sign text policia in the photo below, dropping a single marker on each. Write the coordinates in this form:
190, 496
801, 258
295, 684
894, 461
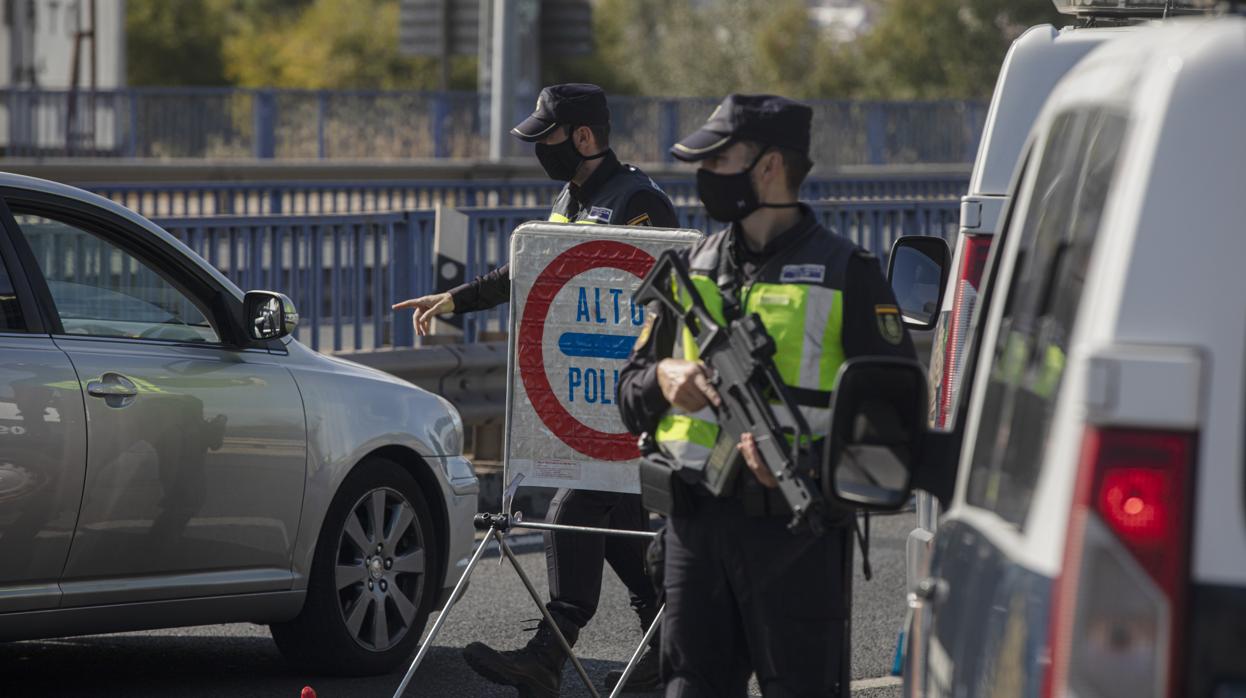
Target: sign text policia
573, 326
591, 384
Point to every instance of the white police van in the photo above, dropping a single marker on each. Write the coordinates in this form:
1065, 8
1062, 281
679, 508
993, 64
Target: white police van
1095, 543
1035, 63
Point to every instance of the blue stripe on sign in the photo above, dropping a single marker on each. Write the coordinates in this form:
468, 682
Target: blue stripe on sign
598, 346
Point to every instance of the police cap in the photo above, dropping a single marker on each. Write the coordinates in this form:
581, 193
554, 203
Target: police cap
766, 119
572, 104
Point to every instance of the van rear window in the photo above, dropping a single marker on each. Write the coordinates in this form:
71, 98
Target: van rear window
1057, 233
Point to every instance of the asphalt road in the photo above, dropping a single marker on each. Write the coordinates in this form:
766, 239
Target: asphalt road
241, 660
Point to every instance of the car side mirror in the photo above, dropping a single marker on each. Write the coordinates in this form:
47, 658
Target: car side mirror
269, 315
878, 424
917, 270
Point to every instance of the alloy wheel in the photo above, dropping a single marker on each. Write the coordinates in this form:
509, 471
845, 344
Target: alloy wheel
380, 570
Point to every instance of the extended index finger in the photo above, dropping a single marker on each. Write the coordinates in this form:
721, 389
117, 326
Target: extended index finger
409, 303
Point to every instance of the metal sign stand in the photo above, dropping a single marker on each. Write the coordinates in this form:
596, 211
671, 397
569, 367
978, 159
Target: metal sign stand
497, 526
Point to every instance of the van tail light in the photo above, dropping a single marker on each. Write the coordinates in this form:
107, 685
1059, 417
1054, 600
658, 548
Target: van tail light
1119, 604
955, 334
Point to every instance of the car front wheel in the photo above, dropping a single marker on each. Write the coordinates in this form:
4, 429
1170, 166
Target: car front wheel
371, 588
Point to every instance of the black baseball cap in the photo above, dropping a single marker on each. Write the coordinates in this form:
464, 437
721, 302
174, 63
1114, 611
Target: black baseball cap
572, 104
765, 119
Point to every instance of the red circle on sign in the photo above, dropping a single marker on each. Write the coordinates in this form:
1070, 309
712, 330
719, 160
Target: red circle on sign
531, 356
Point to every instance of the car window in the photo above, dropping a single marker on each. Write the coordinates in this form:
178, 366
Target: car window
101, 290
11, 318
1057, 234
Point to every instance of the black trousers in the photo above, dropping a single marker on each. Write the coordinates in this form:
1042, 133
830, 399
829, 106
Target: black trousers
744, 595
575, 560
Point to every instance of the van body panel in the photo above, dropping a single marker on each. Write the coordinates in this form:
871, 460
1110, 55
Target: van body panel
1158, 343
990, 628
1034, 64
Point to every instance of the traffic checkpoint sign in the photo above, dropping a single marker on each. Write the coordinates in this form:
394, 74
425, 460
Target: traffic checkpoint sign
572, 326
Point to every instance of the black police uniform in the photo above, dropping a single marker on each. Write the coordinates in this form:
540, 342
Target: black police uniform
615, 194
744, 594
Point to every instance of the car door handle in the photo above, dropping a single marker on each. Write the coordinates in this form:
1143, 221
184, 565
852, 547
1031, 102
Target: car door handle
112, 385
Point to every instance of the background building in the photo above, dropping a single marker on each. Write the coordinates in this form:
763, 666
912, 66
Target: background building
38, 37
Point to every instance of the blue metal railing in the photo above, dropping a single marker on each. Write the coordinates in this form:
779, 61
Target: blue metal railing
344, 271
341, 271
874, 225
888, 187
329, 197
488, 245
269, 123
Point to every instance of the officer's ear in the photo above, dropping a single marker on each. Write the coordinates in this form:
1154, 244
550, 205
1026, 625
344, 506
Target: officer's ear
770, 170
774, 165
582, 137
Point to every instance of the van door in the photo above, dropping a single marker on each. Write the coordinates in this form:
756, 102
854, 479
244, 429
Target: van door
983, 612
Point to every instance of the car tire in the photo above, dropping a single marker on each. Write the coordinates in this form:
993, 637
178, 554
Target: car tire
366, 607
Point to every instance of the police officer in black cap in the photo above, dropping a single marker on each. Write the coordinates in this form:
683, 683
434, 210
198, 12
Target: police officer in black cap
743, 593
571, 129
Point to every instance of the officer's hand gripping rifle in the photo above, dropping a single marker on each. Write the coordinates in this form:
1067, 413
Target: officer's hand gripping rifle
739, 357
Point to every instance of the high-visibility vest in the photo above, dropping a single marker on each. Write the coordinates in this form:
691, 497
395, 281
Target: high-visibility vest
799, 297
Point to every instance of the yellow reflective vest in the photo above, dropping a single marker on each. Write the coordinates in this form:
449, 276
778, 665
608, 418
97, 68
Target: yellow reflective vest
798, 294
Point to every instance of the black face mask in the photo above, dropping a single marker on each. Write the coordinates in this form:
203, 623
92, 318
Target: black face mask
562, 161
728, 198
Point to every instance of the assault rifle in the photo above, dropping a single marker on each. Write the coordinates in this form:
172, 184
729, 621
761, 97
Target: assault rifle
741, 367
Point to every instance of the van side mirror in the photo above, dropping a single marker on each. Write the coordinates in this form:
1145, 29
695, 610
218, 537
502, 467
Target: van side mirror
917, 270
269, 315
878, 425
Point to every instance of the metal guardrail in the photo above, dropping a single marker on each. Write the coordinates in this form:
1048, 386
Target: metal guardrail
329, 197
180, 122
471, 376
874, 225
316, 197
341, 271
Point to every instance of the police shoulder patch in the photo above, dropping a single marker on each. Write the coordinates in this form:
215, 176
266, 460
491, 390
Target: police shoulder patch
889, 326
646, 331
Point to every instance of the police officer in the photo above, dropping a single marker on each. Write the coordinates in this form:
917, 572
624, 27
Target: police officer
744, 594
571, 130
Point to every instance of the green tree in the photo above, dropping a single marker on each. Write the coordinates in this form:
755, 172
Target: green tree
683, 48
331, 44
932, 49
175, 43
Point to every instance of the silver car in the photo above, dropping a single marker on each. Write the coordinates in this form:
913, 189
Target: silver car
170, 456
